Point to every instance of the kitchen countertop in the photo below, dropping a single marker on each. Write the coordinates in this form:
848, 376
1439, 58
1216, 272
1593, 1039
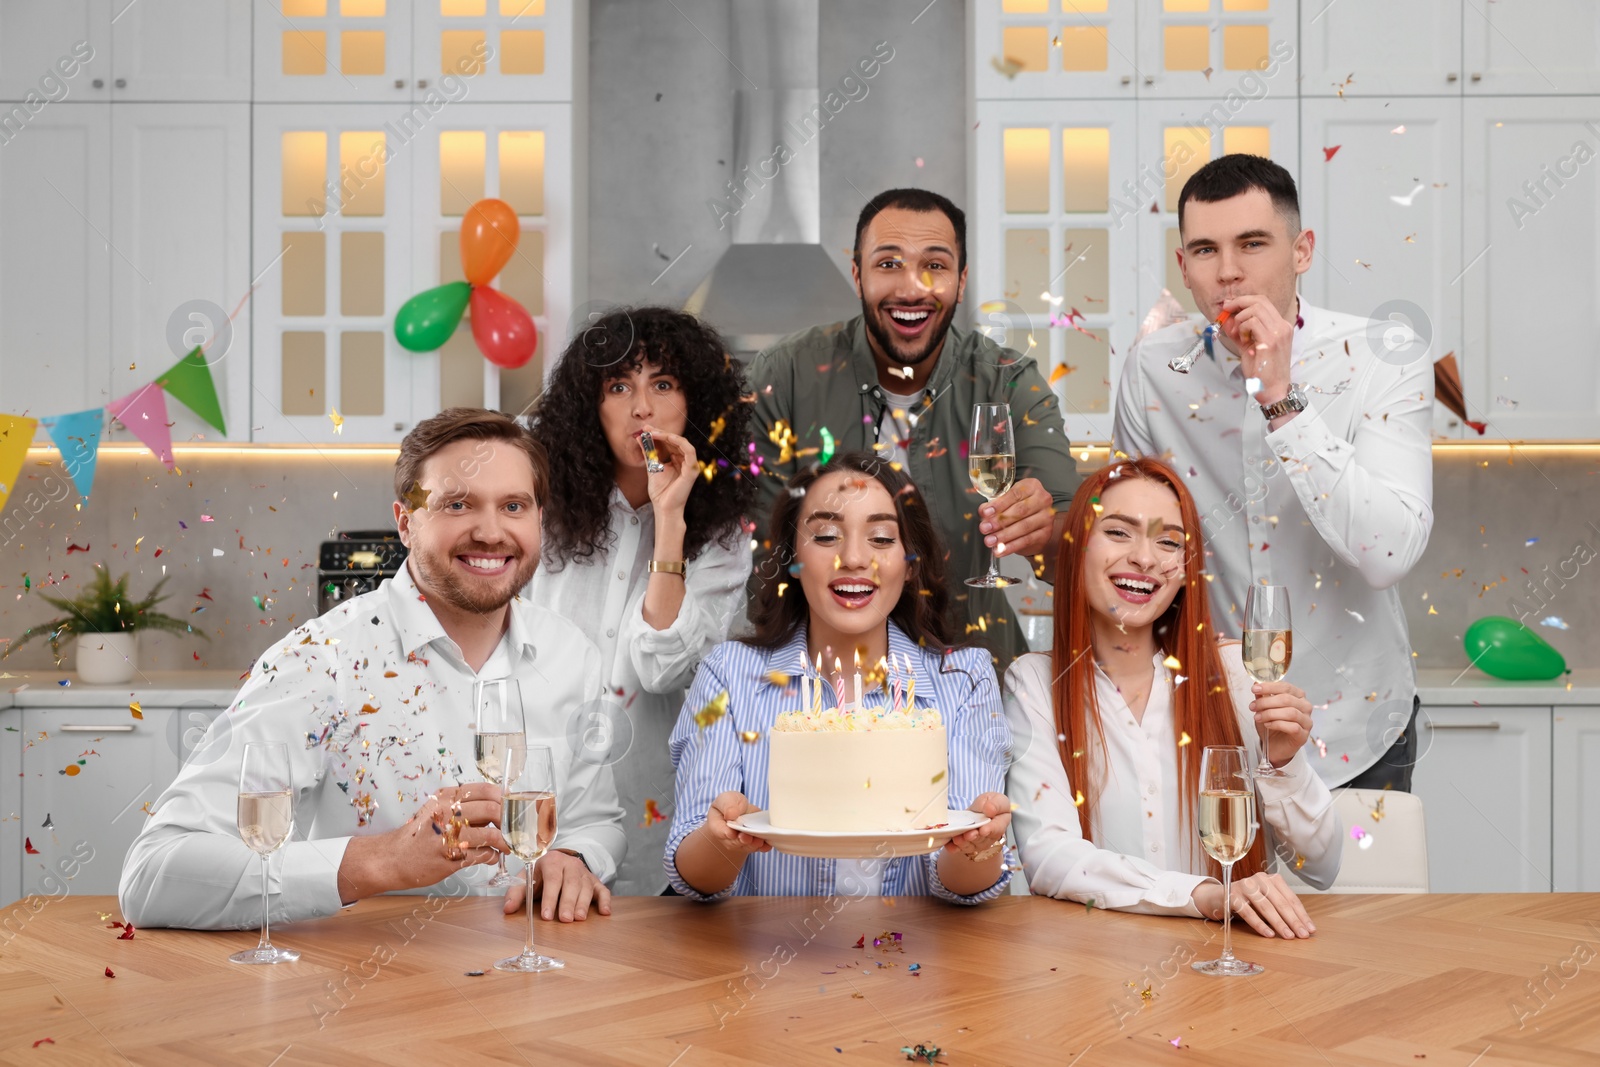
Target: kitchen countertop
157, 689
1439, 686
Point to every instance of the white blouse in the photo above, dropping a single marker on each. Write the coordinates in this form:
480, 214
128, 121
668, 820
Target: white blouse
1142, 859
647, 671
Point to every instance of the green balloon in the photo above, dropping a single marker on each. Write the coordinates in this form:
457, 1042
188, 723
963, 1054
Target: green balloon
426, 321
1507, 649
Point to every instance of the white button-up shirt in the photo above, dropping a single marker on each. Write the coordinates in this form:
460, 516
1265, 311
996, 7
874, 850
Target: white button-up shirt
1142, 857
1336, 504
374, 702
646, 671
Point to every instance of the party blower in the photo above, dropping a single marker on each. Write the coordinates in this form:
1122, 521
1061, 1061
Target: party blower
502, 328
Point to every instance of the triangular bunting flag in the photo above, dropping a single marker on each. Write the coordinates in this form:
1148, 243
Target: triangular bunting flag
144, 412
16, 434
78, 437
189, 383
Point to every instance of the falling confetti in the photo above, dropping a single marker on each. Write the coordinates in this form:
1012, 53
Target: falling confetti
1405, 201
1061, 371
338, 420
1555, 622
135, 709
1399, 129
777, 678
48, 823
652, 814
1506, 401
1530, 542
1356, 615
1171, 662
1185, 739
714, 710
27, 846
1328, 153
1010, 68
750, 737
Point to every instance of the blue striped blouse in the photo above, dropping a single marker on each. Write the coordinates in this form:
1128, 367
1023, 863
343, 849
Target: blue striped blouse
714, 760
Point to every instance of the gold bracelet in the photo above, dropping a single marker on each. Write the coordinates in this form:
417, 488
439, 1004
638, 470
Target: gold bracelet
661, 566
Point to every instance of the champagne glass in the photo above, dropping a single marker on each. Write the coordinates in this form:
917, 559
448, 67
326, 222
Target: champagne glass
500, 743
266, 819
528, 821
1227, 818
1267, 648
992, 465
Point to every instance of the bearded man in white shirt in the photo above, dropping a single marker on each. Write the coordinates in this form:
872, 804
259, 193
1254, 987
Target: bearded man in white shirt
374, 703
1306, 438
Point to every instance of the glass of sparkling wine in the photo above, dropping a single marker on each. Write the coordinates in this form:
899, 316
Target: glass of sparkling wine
1227, 818
992, 465
266, 819
1267, 649
500, 743
528, 821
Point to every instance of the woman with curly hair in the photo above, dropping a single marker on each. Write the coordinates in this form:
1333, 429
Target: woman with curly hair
646, 555
865, 573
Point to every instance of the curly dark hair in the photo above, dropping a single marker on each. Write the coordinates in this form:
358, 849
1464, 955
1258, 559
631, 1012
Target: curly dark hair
582, 468
923, 610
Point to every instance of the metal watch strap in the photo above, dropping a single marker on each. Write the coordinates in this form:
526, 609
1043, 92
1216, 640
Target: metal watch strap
661, 566
1293, 400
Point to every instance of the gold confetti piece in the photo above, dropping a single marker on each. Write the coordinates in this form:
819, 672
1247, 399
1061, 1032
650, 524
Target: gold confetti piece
777, 678
782, 588
1377, 812
338, 420
716, 709
136, 709
750, 737
416, 497
1299, 861
1185, 739
1007, 66
868, 785
1077, 801
936, 779
1432, 610
990, 307
1060, 372
1172, 662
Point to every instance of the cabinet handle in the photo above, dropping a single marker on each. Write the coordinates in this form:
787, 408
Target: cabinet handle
1477, 77
1149, 79
120, 728
121, 83
1464, 726
1127, 79
1452, 76
422, 83
399, 83
99, 83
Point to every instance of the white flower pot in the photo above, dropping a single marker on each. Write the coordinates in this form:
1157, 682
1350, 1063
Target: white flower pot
106, 659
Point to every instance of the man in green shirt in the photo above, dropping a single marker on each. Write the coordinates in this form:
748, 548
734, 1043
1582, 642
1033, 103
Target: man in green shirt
900, 379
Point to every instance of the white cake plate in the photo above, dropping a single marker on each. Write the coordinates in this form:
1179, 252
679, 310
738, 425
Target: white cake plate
856, 845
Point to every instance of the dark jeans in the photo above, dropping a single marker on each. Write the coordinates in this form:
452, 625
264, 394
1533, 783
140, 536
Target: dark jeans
1393, 769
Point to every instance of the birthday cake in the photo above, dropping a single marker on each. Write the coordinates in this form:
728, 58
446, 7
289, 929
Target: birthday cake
853, 770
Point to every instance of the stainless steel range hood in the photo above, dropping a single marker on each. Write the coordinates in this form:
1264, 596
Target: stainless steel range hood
776, 277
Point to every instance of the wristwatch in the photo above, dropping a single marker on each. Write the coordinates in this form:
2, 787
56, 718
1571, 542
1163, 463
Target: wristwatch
662, 566
1294, 400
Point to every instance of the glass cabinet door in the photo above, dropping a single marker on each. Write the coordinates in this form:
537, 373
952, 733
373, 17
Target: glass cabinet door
335, 51
1207, 49
496, 50
1054, 49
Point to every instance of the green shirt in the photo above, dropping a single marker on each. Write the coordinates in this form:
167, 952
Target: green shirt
826, 378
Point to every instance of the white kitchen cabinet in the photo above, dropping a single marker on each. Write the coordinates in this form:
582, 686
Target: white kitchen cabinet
1377, 48
191, 50
126, 763
1202, 50
57, 266
1530, 47
1575, 793
1483, 774
1531, 202
1037, 49
11, 833
180, 215
35, 37
335, 51
1386, 211
531, 50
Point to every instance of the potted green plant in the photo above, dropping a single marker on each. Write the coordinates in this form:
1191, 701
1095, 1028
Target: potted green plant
105, 622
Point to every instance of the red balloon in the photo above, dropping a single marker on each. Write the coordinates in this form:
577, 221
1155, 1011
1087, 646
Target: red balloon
502, 327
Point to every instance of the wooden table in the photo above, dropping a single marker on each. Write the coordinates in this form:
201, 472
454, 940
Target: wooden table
1416, 980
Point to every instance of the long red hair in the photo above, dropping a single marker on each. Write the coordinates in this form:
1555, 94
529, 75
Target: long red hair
1202, 707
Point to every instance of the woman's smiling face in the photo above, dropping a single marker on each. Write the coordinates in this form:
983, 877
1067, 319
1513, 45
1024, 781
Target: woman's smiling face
1133, 562
852, 560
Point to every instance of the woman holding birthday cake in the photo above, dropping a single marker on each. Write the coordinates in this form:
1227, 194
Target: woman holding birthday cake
851, 748
1136, 687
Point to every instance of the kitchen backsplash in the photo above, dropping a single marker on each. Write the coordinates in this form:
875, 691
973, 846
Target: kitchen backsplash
237, 536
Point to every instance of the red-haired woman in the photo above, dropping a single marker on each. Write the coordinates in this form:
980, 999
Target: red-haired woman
1135, 689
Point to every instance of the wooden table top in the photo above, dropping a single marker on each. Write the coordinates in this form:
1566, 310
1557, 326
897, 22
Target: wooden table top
1432, 980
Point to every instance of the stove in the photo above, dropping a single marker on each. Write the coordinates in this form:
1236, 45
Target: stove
356, 563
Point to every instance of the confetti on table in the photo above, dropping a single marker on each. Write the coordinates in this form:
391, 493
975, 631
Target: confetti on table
44, 1041
1327, 153
1088, 906
915, 968
1174, 1042
716, 709
110, 973
1555, 622
925, 1053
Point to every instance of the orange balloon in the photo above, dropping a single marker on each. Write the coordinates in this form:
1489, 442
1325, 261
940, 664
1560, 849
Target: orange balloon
489, 232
